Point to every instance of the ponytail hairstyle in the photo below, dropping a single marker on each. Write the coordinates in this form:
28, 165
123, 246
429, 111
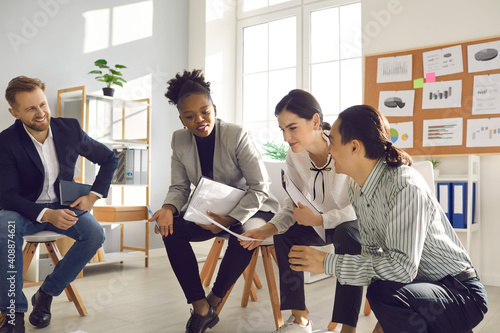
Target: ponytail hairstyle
368, 125
182, 86
303, 104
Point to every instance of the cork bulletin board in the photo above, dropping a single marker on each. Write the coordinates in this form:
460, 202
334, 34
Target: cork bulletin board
372, 91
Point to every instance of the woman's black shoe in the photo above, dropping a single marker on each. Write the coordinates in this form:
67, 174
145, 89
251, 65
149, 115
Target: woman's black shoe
199, 324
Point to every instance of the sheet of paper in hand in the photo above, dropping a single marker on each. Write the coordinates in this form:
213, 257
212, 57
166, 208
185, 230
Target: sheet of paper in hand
214, 196
297, 196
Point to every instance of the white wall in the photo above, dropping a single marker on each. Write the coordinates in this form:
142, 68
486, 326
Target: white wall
390, 25
54, 40
212, 47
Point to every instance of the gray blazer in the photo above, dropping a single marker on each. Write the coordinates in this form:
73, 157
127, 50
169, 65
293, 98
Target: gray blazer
237, 163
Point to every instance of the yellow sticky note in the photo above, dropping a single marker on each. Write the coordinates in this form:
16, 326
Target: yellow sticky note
418, 83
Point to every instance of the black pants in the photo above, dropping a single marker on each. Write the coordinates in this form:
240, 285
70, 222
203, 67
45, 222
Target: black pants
446, 306
184, 263
346, 240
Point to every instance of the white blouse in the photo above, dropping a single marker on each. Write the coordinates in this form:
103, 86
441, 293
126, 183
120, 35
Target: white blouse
321, 185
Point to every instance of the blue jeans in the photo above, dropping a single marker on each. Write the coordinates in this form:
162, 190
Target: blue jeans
445, 306
87, 232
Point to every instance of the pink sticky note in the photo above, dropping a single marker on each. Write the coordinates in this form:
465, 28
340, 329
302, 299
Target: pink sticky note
430, 77
418, 83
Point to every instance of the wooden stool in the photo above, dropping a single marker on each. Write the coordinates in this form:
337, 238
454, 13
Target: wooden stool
49, 238
366, 311
251, 278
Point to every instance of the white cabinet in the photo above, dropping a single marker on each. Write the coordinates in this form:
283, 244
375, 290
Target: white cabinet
471, 176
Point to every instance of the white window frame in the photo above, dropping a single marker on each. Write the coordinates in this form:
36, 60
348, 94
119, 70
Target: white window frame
260, 19
302, 10
265, 10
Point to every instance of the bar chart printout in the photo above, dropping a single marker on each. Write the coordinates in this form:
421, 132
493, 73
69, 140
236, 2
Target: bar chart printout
441, 95
483, 132
443, 132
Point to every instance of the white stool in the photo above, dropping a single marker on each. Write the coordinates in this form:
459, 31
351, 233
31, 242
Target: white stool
49, 238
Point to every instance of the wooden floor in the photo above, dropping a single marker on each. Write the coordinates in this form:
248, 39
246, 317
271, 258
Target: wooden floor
130, 298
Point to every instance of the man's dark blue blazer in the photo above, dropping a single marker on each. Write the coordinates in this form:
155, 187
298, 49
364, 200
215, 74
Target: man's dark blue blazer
22, 172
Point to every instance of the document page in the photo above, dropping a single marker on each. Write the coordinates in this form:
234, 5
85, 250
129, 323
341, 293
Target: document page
205, 219
297, 196
214, 196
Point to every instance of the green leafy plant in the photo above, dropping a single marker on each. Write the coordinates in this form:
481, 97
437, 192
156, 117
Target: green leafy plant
114, 76
274, 151
435, 163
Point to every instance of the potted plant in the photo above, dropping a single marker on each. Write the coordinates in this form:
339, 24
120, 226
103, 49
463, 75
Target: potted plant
114, 76
274, 151
435, 164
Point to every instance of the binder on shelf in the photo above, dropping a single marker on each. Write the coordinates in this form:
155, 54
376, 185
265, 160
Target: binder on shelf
132, 166
460, 205
444, 195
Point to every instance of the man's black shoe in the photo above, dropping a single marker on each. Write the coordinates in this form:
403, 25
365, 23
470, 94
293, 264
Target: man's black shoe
12, 326
40, 316
199, 324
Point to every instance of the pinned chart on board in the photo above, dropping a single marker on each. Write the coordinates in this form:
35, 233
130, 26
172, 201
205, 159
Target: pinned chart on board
397, 103
441, 95
394, 69
443, 132
483, 132
443, 61
402, 134
483, 57
449, 85
486, 96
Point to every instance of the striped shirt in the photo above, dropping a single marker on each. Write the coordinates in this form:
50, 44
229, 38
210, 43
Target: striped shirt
405, 234
325, 189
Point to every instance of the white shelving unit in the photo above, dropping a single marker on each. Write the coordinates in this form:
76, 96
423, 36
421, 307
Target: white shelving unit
472, 176
117, 123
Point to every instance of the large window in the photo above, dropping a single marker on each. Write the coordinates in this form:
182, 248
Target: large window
314, 46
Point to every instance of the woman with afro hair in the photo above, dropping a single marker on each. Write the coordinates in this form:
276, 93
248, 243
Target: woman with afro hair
224, 152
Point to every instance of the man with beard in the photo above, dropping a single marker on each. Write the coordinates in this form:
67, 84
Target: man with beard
37, 152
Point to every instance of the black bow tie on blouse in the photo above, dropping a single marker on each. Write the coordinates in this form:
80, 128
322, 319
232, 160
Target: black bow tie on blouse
318, 172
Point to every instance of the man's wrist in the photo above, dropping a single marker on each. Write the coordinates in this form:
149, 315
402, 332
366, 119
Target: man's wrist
329, 263
44, 215
94, 196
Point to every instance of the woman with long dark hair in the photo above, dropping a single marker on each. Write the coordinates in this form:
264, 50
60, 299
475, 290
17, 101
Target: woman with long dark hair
310, 166
419, 276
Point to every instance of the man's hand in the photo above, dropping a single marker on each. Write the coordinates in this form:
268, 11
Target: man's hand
60, 218
165, 219
263, 232
86, 202
306, 259
226, 221
305, 216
